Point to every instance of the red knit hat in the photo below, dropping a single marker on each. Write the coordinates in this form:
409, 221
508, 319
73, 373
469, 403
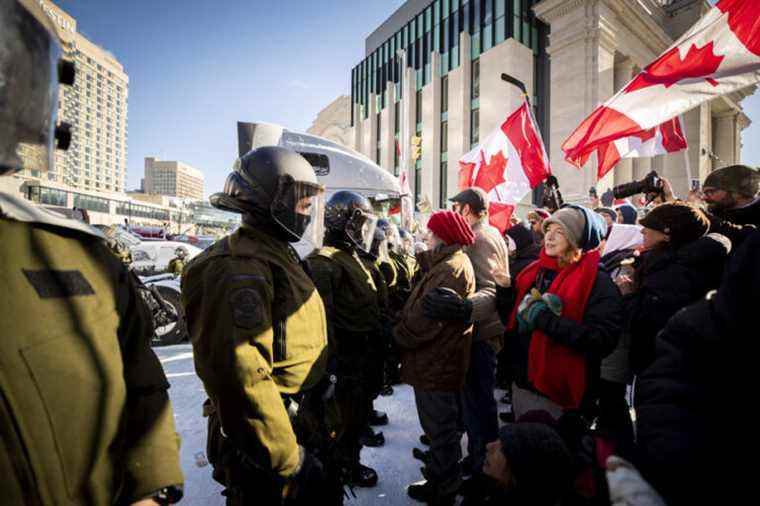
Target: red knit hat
451, 228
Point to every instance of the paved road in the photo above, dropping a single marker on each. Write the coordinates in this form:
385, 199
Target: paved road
393, 461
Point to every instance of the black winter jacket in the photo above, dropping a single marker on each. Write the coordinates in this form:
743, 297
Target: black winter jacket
596, 336
666, 282
691, 393
523, 258
736, 224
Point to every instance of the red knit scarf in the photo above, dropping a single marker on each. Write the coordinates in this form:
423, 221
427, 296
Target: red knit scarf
554, 369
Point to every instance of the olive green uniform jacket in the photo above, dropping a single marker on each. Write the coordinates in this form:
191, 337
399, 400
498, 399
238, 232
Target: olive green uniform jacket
349, 293
176, 266
84, 413
258, 330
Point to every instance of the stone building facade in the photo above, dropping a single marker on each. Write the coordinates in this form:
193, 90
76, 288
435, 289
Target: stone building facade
433, 70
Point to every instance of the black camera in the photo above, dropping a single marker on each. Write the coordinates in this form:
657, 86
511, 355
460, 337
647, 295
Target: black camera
651, 184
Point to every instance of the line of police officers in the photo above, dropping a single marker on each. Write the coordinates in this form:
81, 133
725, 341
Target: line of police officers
291, 353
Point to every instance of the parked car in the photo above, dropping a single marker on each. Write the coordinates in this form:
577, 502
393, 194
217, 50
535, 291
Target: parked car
152, 257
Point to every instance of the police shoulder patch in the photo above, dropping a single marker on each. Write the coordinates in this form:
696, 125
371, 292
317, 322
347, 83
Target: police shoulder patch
50, 283
247, 308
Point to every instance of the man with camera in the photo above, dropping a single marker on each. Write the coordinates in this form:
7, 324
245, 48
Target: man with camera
733, 204
731, 195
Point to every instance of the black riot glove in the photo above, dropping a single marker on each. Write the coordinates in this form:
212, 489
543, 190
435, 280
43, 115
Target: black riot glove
308, 483
446, 304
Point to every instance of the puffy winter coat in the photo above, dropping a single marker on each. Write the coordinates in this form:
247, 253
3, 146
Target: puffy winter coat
666, 282
691, 393
435, 354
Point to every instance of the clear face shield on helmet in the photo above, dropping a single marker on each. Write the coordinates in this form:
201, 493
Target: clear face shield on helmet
360, 229
30, 55
296, 206
394, 238
380, 246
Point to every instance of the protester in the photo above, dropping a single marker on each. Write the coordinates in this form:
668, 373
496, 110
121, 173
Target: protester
435, 354
609, 215
682, 434
487, 253
536, 218
559, 332
526, 248
733, 203
676, 270
529, 464
626, 214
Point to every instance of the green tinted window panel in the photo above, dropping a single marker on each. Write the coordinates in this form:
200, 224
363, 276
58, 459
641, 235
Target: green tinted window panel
534, 41
428, 73
500, 8
437, 11
455, 57
444, 64
475, 45
487, 37
500, 31
437, 38
525, 39
517, 28
446, 7
428, 18
445, 157
475, 103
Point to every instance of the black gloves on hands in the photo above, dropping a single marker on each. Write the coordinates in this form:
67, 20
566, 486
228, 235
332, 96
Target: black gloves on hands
446, 304
308, 482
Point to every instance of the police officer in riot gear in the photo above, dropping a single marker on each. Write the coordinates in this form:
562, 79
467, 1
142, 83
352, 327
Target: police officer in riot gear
351, 302
84, 413
258, 329
177, 264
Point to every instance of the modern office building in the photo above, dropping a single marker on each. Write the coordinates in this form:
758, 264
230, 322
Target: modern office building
96, 108
433, 70
173, 179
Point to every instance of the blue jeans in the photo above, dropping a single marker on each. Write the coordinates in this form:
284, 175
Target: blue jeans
478, 402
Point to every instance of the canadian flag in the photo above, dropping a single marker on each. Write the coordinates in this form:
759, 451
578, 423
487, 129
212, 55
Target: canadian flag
718, 55
660, 140
507, 164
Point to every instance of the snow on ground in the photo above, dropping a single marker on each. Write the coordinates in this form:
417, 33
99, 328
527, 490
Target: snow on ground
393, 462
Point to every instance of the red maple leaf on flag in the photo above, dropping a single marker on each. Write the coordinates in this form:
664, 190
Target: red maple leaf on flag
669, 69
465, 174
499, 215
491, 174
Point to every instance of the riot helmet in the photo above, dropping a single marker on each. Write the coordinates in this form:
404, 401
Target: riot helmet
30, 70
349, 218
180, 252
407, 241
391, 234
277, 186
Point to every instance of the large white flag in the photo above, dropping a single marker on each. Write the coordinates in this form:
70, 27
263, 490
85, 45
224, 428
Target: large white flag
718, 55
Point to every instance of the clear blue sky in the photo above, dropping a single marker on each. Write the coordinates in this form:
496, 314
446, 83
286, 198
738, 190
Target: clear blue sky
196, 67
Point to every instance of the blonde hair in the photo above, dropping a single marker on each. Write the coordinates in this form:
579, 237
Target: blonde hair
569, 256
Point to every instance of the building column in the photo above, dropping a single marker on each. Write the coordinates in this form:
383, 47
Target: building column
623, 72
726, 138
582, 55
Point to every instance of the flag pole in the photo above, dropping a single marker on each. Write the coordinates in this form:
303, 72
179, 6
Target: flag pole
519, 84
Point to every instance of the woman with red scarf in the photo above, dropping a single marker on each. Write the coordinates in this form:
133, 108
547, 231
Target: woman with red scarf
563, 315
